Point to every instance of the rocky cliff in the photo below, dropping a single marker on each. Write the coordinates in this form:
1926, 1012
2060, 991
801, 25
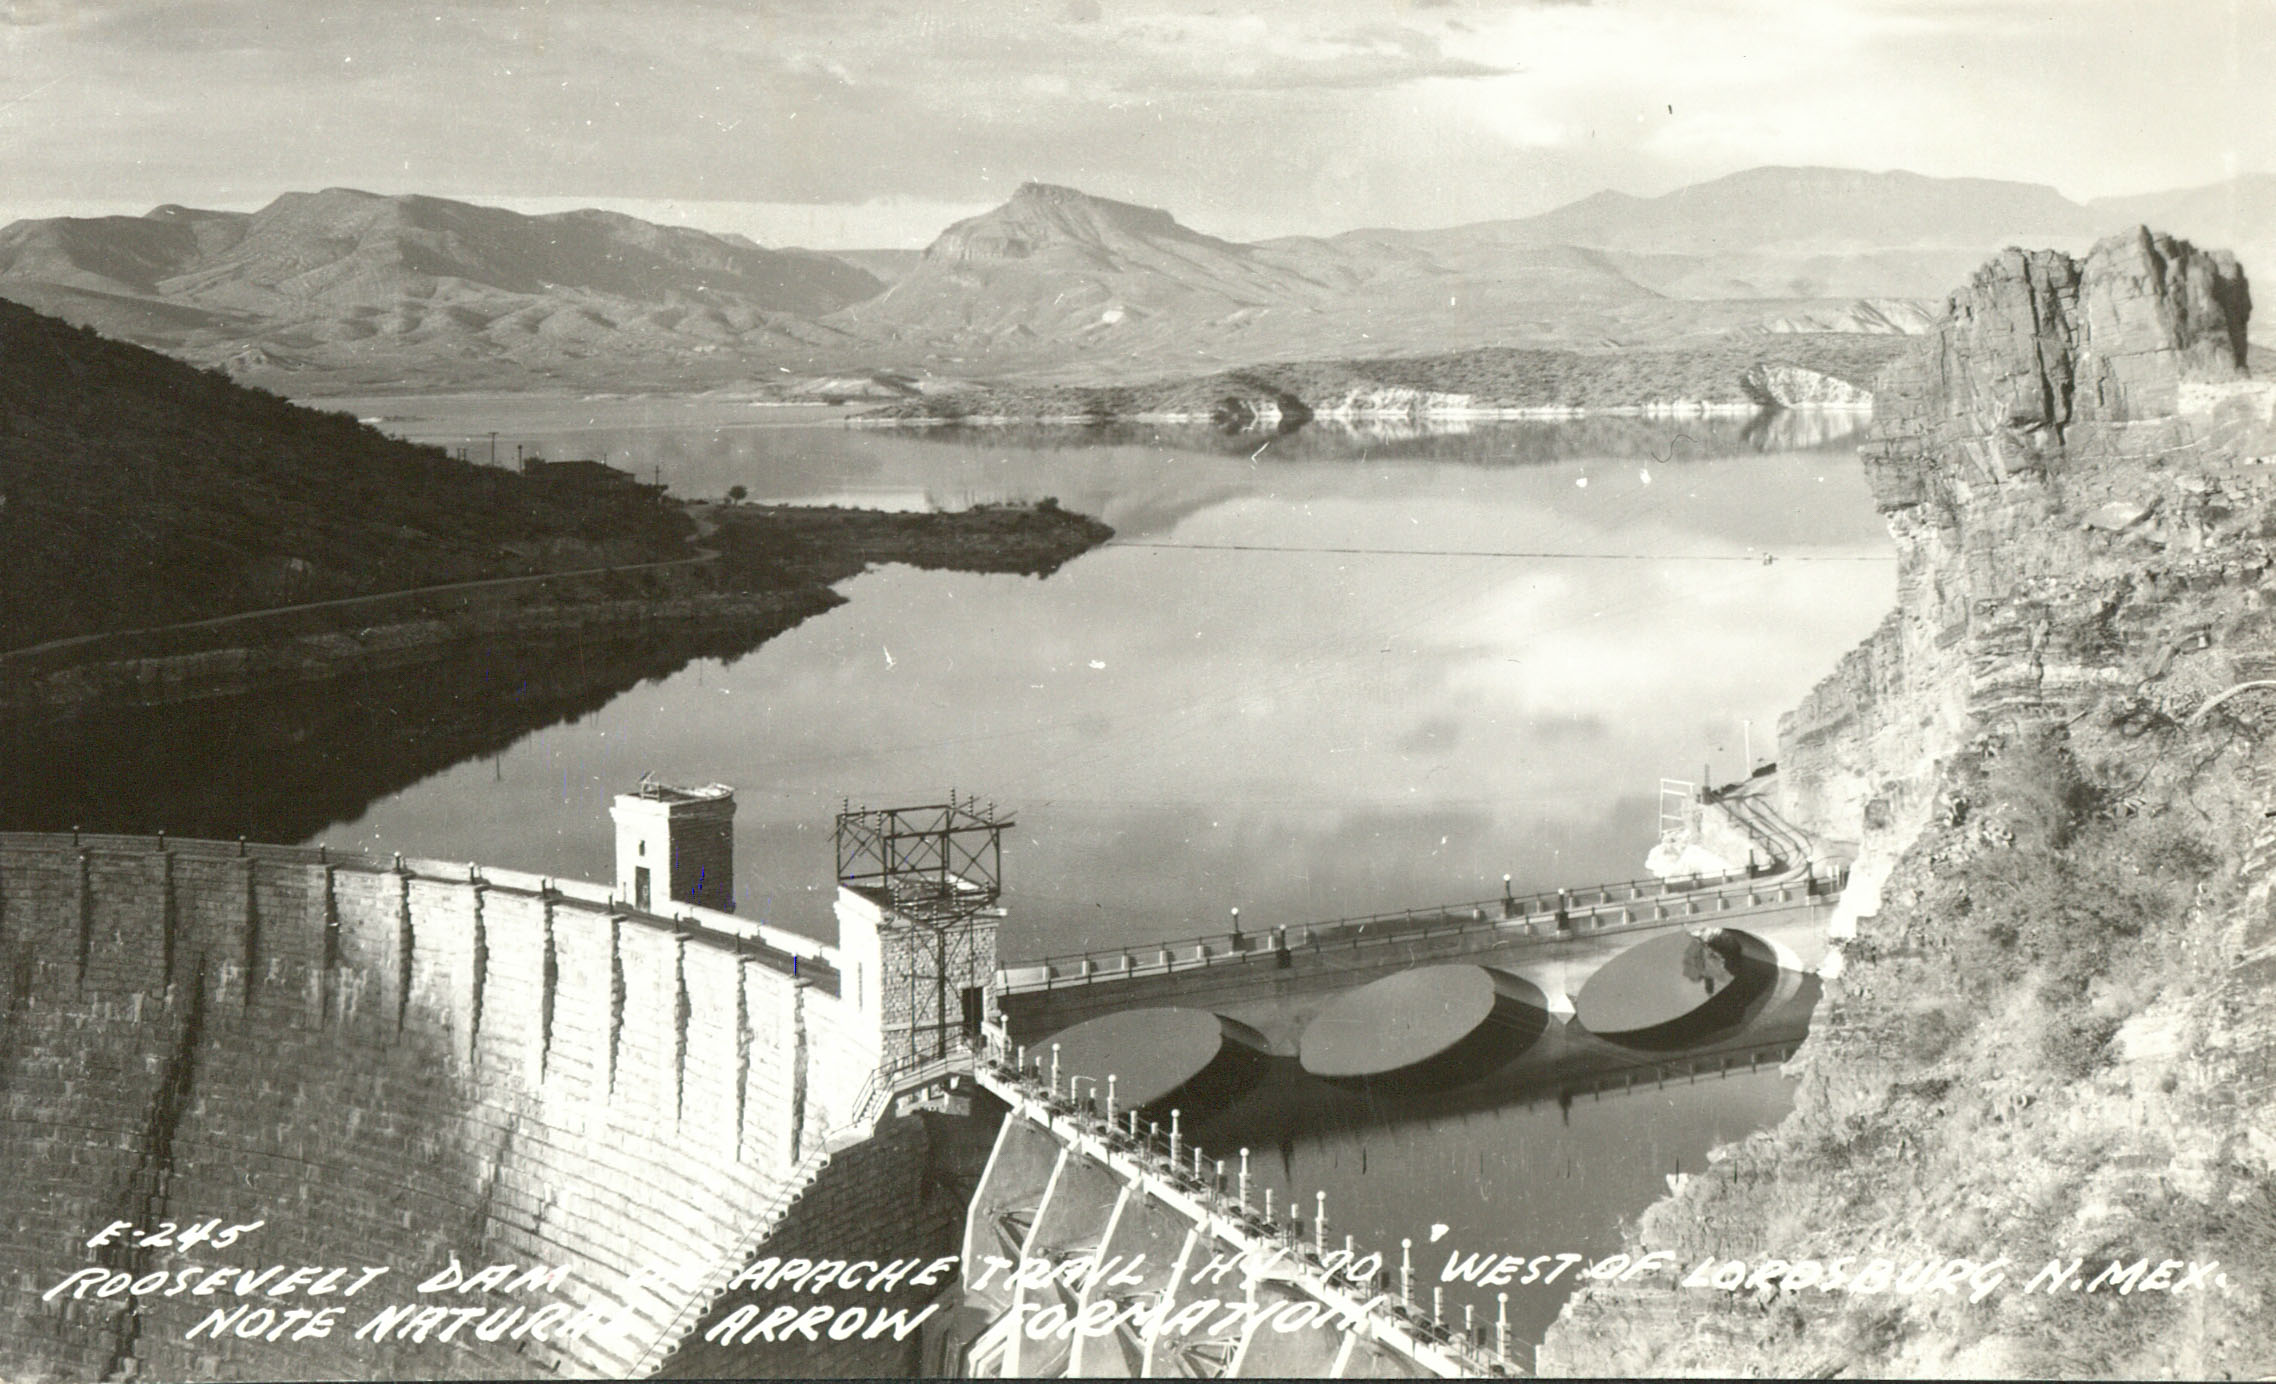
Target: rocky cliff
2048, 1034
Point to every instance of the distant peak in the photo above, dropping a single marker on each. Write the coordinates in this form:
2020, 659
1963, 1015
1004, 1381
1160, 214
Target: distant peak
1074, 199
1041, 215
331, 197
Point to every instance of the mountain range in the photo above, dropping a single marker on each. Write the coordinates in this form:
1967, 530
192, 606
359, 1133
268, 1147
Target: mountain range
342, 290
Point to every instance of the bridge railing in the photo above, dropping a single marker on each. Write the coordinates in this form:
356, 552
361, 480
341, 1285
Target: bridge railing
1220, 1199
1589, 908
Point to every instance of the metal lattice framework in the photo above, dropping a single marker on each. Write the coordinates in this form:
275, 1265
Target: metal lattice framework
1679, 811
935, 864
939, 871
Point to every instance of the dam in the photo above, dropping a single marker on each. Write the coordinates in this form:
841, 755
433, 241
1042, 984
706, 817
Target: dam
604, 1102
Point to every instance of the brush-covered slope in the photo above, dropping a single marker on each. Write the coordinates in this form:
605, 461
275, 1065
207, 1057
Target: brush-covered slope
2036, 1124
137, 490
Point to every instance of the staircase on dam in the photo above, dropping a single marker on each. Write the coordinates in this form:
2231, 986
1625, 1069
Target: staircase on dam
1750, 809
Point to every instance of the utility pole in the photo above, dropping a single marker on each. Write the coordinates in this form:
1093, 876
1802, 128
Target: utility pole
493, 449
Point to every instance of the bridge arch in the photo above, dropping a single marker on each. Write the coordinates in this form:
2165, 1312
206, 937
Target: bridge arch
1788, 959
1430, 1025
1678, 986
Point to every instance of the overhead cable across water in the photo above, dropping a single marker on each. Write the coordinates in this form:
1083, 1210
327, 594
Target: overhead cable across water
1502, 552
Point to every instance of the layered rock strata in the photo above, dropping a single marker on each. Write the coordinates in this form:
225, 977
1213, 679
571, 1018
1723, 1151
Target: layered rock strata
2048, 1034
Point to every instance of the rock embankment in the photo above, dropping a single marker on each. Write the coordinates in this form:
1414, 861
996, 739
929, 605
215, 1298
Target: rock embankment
2049, 1033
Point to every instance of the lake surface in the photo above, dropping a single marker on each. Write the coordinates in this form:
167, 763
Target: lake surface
1279, 690
1315, 675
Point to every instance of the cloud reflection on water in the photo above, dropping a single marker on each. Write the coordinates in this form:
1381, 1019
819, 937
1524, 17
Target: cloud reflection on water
1295, 732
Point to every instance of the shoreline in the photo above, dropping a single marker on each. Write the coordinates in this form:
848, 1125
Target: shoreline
762, 565
1513, 413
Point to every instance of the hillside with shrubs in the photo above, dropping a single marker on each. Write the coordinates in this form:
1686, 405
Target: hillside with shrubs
136, 490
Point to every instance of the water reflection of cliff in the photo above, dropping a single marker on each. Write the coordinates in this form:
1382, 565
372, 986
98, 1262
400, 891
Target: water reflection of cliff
1479, 441
285, 764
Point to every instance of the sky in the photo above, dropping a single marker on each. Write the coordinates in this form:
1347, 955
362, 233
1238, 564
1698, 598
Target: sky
848, 123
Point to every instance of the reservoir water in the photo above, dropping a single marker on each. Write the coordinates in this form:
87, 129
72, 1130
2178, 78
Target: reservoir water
1286, 687
1315, 675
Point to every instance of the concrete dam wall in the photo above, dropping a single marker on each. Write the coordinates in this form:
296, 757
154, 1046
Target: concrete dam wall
387, 1063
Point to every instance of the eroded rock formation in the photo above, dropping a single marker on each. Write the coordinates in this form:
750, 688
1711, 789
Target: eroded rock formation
2048, 1034
2050, 390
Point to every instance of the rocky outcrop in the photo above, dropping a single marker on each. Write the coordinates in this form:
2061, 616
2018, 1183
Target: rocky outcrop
1791, 386
2048, 1032
1392, 402
2051, 388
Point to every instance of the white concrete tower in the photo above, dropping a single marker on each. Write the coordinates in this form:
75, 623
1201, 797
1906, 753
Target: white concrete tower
675, 844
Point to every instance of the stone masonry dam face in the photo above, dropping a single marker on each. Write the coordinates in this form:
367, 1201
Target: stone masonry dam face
385, 1063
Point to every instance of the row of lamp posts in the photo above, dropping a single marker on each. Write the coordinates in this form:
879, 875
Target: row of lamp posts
1241, 1194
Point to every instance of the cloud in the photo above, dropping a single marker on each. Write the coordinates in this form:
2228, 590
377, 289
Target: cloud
1247, 53
1245, 117
27, 14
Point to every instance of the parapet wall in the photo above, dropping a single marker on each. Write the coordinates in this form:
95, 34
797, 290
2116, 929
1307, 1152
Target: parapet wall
388, 1064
